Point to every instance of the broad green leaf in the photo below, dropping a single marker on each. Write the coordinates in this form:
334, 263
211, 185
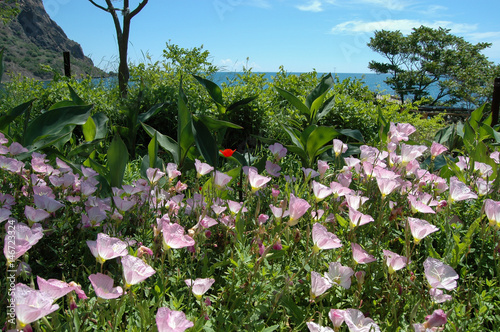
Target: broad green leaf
304, 136
475, 117
292, 309
89, 130
6, 119
185, 136
325, 108
303, 109
55, 120
143, 117
318, 93
84, 149
167, 143
77, 101
215, 124
352, 133
153, 150
271, 328
294, 137
100, 121
240, 103
117, 161
97, 167
213, 90
205, 142
318, 138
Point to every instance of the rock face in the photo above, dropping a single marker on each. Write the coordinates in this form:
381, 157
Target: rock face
33, 39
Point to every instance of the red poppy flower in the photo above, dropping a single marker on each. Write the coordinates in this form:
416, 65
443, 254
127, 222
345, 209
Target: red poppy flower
227, 152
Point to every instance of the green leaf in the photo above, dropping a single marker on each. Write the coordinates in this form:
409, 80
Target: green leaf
1, 63
317, 139
213, 90
117, 161
318, 93
215, 124
54, 121
292, 309
100, 121
167, 143
303, 109
352, 133
153, 150
205, 142
89, 130
6, 119
240, 103
143, 117
294, 136
75, 98
185, 137
325, 108
271, 328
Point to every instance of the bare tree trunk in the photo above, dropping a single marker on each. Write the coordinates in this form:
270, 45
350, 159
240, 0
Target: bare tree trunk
122, 36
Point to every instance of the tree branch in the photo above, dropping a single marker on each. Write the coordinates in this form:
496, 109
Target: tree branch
99, 6
139, 8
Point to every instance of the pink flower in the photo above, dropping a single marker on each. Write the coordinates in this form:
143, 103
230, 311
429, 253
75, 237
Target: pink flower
337, 317
103, 286
339, 147
25, 238
394, 261
322, 168
420, 228
107, 247
438, 295
459, 191
320, 191
387, 186
221, 180
135, 270
357, 218
411, 152
172, 171
355, 201
319, 285
123, 205
202, 168
309, 173
273, 169
173, 237
400, 132
172, 321
440, 275
313, 327
154, 175
56, 288
256, 180
323, 239
360, 256
419, 206
199, 286
144, 251
492, 211
437, 318
47, 203
278, 151
31, 305
339, 274
278, 212
262, 218
15, 148
357, 322
437, 149
35, 215
296, 209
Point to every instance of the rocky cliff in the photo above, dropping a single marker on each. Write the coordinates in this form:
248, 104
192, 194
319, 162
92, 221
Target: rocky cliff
33, 42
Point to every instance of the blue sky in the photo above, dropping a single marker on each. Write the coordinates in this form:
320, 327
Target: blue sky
300, 35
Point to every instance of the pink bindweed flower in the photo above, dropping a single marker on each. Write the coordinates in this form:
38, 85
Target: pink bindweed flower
337, 318
433, 321
35, 215
411, 152
262, 218
143, 251
417, 205
400, 132
459, 191
360, 256
31, 305
492, 211
154, 175
339, 147
15, 148
278, 212
57, 288
221, 180
323, 239
355, 201
122, 204
174, 237
106, 247
135, 270
394, 261
296, 209
320, 191
437, 149
314, 327
322, 168
202, 168
440, 275
278, 151
357, 322
357, 218
172, 171
387, 186
25, 238
339, 274
47, 203
256, 180
339, 190
438, 295
273, 169
236, 207
309, 173
103, 286
420, 228
199, 286
319, 285
172, 321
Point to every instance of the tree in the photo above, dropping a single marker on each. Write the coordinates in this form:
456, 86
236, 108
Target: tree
122, 35
429, 58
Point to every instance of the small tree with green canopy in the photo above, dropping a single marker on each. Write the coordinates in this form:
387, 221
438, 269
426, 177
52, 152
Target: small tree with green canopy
428, 57
122, 35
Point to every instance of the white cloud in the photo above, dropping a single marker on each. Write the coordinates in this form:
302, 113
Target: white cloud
389, 4
404, 25
312, 6
236, 65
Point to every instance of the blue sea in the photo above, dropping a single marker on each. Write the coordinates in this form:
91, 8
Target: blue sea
375, 82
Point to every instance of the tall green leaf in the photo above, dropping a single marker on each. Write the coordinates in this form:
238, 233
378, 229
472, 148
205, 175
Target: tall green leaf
89, 130
167, 143
153, 150
117, 161
205, 142
53, 121
6, 119
296, 102
213, 90
185, 137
